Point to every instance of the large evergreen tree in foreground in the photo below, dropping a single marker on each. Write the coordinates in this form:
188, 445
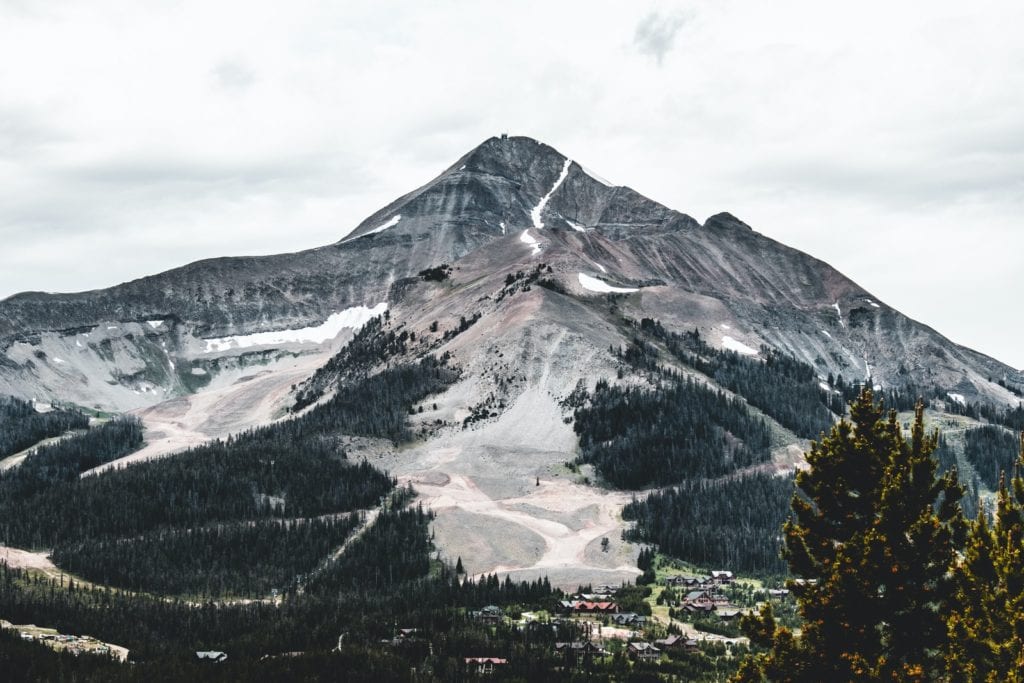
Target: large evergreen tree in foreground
872, 538
986, 630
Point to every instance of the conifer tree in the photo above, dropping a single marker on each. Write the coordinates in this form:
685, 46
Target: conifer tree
986, 629
872, 538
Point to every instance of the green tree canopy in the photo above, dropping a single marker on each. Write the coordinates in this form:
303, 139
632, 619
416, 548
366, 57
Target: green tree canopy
872, 538
986, 630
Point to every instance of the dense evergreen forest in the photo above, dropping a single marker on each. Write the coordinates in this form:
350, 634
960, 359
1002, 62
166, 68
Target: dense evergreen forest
63, 461
683, 430
248, 559
784, 388
220, 506
224, 481
945, 459
380, 405
1011, 418
992, 451
730, 523
21, 426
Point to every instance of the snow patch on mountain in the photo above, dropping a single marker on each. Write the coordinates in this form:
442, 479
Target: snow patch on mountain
959, 398
736, 345
539, 209
351, 318
839, 313
595, 285
527, 238
390, 224
575, 226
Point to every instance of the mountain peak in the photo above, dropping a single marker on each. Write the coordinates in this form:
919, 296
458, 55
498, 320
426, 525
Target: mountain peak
727, 221
513, 157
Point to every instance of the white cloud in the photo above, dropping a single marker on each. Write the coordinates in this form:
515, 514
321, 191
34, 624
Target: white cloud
135, 138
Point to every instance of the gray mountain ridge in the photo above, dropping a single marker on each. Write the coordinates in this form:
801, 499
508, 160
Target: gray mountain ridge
140, 343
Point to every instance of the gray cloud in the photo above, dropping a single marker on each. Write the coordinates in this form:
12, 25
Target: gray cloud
24, 131
232, 74
655, 35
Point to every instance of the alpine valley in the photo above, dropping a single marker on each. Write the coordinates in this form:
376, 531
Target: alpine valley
511, 382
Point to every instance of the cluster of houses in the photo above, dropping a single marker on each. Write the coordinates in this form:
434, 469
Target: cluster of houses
599, 602
75, 645
490, 615
483, 666
714, 580
703, 594
638, 651
213, 656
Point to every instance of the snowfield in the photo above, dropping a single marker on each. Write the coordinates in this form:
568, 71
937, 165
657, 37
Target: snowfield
595, 285
390, 224
350, 318
736, 345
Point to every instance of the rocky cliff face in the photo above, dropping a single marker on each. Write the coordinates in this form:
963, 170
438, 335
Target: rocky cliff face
508, 205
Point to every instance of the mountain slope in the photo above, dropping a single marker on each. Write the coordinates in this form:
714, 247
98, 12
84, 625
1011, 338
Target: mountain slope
719, 276
548, 271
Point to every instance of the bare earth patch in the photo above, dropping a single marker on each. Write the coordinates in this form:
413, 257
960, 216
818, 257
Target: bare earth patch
25, 559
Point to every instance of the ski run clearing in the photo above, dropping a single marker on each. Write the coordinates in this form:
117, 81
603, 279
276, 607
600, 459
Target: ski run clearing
594, 285
351, 318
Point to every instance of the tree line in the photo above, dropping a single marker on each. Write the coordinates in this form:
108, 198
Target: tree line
230, 480
21, 426
682, 430
785, 388
729, 523
992, 451
213, 503
245, 559
63, 461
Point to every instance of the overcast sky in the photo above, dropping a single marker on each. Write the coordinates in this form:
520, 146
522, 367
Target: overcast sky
885, 138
